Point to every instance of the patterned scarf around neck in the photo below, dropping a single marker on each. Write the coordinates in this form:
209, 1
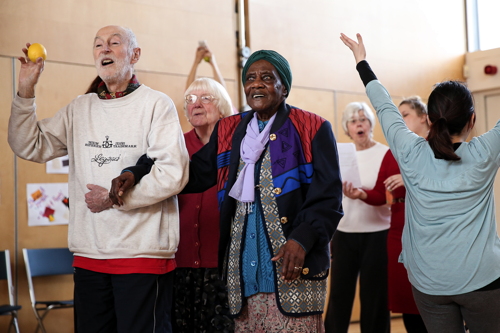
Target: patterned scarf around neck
103, 93
252, 146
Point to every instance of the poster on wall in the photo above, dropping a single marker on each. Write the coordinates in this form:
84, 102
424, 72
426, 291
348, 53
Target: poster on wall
48, 204
58, 165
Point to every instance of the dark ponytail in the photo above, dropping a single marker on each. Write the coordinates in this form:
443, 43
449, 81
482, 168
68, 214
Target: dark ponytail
450, 109
93, 86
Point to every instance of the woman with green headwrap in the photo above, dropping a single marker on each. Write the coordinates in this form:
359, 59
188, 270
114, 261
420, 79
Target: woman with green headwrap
280, 193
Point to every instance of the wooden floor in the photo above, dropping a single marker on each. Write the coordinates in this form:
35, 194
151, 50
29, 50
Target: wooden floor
397, 326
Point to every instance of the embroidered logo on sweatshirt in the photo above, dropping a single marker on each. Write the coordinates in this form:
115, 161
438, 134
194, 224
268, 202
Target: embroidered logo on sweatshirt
109, 144
100, 159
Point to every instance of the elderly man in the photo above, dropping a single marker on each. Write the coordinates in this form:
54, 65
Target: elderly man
123, 255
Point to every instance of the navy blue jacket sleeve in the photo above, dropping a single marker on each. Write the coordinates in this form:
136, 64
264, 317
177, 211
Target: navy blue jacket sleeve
321, 211
141, 168
203, 167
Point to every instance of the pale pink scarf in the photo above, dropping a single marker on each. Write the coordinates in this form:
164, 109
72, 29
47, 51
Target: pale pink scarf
252, 146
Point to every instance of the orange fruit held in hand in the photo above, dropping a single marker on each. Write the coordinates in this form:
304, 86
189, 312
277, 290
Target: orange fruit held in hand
36, 51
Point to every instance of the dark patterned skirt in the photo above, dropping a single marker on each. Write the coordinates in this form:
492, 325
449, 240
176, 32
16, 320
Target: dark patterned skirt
200, 302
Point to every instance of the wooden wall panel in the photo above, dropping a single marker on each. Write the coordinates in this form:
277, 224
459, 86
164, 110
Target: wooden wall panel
7, 197
320, 102
330, 105
167, 31
409, 49
7, 224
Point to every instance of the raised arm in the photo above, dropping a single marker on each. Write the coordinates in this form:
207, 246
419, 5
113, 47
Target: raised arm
29, 74
217, 74
200, 54
203, 52
37, 141
393, 126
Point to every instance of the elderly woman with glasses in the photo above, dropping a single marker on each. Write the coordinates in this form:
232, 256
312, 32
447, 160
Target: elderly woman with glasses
359, 245
279, 189
199, 297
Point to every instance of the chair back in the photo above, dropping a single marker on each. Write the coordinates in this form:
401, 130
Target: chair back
55, 261
6, 274
40, 262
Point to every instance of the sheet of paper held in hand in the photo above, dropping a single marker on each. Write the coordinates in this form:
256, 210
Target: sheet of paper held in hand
348, 163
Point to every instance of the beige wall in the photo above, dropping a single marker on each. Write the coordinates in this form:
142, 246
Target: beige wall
411, 45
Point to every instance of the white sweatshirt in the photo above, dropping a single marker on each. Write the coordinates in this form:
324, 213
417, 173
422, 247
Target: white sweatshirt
102, 137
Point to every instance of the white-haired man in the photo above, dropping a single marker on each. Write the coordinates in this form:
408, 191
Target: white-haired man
123, 255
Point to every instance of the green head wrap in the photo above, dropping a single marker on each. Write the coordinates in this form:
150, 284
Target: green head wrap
277, 60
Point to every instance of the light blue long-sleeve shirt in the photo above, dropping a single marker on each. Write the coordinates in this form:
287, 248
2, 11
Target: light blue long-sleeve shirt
450, 241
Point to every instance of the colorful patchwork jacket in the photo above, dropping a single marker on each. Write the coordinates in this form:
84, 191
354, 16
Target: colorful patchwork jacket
306, 179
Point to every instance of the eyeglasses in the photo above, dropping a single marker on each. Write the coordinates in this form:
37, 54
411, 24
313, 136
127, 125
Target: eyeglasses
205, 99
356, 120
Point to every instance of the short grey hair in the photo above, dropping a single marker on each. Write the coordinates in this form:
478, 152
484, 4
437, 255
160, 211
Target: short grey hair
132, 40
353, 109
222, 102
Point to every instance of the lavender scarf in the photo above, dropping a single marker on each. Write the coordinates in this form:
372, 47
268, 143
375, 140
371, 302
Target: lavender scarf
252, 146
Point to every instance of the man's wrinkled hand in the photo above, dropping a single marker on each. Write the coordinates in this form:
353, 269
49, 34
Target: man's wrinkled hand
119, 186
97, 199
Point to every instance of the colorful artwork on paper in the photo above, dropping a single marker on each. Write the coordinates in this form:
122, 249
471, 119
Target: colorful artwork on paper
48, 204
